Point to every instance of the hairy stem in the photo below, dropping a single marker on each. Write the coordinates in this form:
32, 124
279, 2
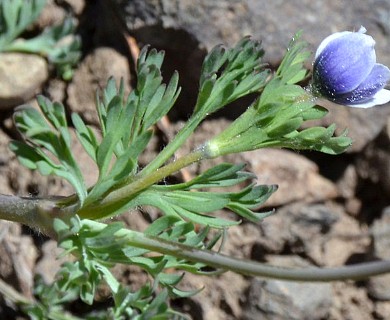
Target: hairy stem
118, 198
35, 213
220, 261
40, 213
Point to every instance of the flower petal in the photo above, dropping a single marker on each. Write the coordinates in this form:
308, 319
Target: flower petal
334, 36
375, 82
381, 97
328, 39
343, 63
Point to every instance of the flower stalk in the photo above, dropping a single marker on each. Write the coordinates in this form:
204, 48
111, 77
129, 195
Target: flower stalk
245, 267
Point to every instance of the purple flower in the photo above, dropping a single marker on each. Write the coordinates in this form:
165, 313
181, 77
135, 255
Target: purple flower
345, 71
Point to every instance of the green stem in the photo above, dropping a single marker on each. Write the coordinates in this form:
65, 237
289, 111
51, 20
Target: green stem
120, 197
251, 268
175, 144
40, 213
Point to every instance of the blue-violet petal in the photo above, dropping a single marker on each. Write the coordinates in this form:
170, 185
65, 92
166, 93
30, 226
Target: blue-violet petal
344, 63
374, 82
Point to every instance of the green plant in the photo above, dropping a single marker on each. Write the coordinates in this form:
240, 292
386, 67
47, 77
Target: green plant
273, 119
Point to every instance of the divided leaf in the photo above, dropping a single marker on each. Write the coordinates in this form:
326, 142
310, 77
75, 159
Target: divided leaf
228, 75
179, 201
48, 131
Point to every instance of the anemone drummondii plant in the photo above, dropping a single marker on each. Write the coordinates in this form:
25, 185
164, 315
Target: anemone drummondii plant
180, 238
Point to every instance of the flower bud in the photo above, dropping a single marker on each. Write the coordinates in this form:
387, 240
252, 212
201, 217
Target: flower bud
345, 71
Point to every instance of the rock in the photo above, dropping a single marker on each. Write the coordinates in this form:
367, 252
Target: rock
324, 234
6, 157
18, 250
380, 236
50, 263
348, 182
6, 267
347, 186
21, 76
350, 302
317, 20
317, 215
56, 90
275, 235
373, 164
274, 299
241, 240
219, 299
379, 287
382, 310
346, 241
288, 169
51, 14
309, 226
92, 75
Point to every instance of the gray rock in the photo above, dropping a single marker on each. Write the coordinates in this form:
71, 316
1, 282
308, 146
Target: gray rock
273, 299
379, 287
317, 215
21, 76
325, 234
345, 241
381, 236
275, 235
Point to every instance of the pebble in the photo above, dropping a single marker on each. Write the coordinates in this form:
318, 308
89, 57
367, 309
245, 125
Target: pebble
21, 77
